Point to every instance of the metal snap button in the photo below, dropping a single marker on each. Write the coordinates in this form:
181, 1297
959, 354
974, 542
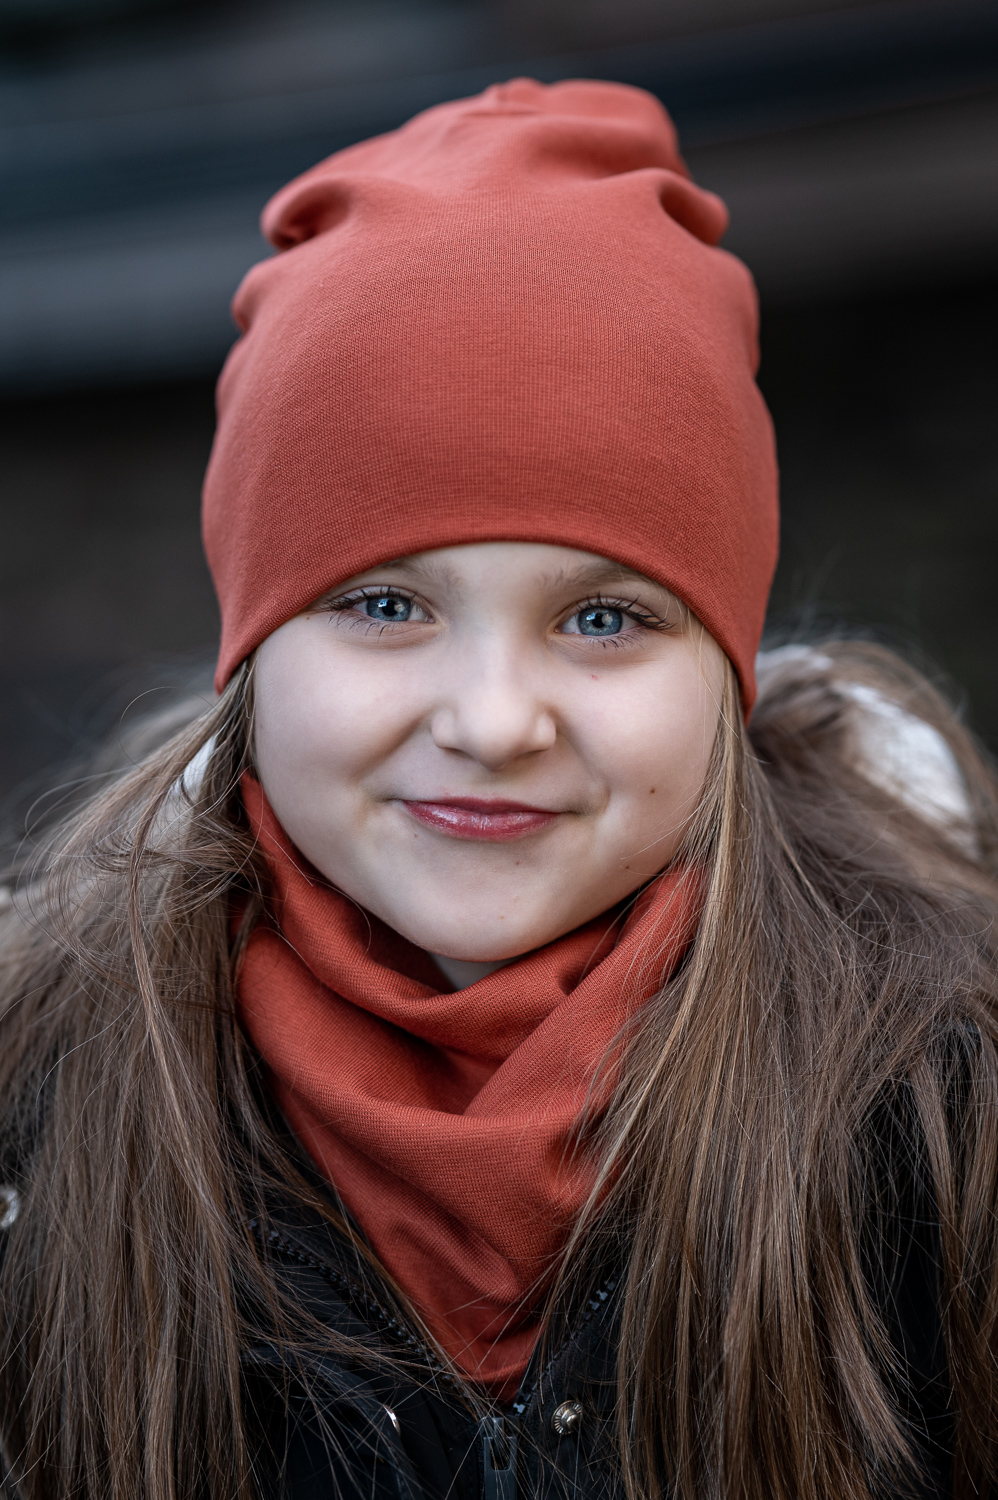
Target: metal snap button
566, 1419
10, 1206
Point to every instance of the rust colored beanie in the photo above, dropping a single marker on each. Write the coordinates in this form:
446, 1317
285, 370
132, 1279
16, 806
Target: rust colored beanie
507, 321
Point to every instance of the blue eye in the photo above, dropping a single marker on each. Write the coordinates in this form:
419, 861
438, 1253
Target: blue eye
387, 607
600, 621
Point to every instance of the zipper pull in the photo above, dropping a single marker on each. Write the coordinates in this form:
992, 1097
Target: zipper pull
498, 1458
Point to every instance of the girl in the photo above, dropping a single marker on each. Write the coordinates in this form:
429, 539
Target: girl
473, 1058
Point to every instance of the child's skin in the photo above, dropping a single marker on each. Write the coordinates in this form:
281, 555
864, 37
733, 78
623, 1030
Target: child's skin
391, 738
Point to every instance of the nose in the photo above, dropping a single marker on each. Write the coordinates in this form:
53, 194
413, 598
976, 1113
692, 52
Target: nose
494, 710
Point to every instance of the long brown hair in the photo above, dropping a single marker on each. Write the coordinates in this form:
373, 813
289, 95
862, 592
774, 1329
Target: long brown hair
844, 967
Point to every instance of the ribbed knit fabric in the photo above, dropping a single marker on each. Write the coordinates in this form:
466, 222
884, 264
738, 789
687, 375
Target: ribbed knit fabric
506, 321
444, 1120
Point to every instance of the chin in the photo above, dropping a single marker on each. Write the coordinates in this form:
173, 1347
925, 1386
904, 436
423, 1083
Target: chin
477, 937
485, 947
482, 953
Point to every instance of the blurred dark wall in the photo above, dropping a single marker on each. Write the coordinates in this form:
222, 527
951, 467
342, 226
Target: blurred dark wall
885, 410
857, 145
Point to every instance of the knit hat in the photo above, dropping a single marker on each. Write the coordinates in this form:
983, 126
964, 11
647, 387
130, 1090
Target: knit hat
507, 321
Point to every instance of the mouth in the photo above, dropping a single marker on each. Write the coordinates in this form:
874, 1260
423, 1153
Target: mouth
476, 818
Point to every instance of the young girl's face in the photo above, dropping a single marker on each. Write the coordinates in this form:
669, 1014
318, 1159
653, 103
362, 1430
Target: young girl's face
488, 745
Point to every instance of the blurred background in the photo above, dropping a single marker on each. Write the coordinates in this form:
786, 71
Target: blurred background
855, 141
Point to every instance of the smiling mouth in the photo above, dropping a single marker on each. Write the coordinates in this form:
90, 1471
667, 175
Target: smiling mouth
474, 818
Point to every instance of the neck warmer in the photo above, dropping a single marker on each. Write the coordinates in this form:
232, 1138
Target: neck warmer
445, 1120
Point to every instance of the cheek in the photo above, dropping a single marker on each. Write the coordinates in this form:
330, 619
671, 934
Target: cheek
655, 744
319, 719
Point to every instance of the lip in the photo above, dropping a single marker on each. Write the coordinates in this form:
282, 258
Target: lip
493, 820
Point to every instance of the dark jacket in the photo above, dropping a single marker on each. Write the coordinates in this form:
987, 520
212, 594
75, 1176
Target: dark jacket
348, 1425
403, 1429
340, 1426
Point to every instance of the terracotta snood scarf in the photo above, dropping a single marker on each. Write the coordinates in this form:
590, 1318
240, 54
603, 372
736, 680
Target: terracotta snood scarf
445, 1120
507, 321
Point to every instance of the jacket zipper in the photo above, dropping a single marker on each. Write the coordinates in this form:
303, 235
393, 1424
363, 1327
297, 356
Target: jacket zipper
498, 1439
368, 1309
595, 1304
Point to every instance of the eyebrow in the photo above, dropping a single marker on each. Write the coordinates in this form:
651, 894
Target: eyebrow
585, 575
588, 575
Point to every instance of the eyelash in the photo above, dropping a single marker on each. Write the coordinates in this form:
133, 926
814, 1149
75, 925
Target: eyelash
369, 591
631, 607
347, 601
